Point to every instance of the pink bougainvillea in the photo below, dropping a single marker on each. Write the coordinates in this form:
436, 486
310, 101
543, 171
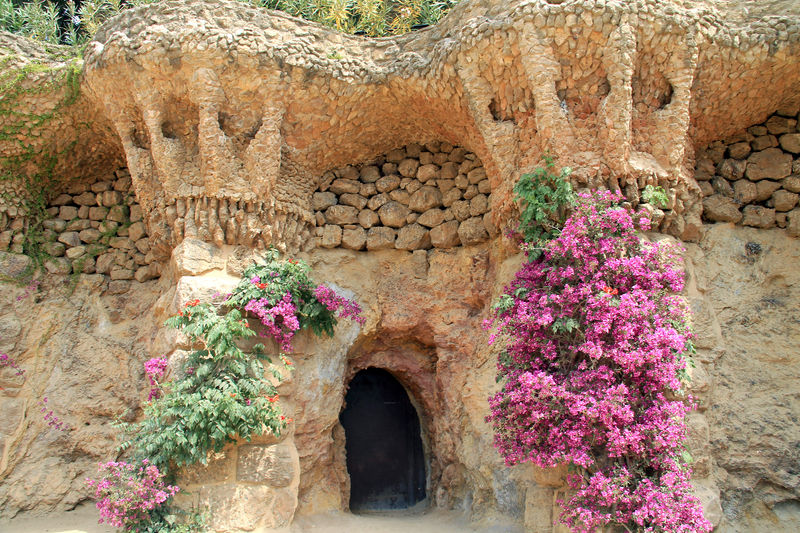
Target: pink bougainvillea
344, 307
127, 494
592, 372
155, 369
280, 320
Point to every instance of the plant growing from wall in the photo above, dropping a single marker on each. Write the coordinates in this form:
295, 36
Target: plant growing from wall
223, 393
595, 354
545, 198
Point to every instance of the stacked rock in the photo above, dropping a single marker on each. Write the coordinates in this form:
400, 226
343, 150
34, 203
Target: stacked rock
753, 179
93, 228
413, 198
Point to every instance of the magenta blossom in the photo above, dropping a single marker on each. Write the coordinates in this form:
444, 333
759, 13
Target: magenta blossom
595, 338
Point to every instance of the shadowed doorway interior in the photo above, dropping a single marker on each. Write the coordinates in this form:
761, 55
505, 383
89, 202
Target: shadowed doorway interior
384, 449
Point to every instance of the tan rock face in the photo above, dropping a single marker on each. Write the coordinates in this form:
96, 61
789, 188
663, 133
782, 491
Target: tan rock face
240, 128
748, 282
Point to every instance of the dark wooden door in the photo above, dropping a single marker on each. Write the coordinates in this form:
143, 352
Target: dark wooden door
384, 449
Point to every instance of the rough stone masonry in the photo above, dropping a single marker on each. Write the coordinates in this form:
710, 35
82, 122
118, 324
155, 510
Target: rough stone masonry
206, 131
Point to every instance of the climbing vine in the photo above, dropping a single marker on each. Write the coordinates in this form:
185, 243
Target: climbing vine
596, 348
222, 392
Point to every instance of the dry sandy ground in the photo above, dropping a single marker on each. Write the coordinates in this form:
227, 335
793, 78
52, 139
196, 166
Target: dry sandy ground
84, 520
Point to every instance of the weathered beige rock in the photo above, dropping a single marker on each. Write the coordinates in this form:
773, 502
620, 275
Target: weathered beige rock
445, 235
413, 237
472, 231
354, 239
771, 163
332, 236
380, 238
784, 200
759, 217
341, 215
393, 214
193, 257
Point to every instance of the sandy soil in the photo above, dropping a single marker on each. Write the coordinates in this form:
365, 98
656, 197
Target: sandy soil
84, 520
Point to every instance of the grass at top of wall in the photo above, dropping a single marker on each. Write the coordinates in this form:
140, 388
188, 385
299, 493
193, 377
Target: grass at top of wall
74, 25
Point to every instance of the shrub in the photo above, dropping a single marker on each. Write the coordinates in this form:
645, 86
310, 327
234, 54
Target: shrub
592, 371
127, 494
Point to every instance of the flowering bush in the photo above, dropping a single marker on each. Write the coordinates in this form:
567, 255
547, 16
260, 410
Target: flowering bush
127, 494
222, 395
592, 369
282, 296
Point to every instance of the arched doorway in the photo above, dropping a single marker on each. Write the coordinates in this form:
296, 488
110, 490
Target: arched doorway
383, 443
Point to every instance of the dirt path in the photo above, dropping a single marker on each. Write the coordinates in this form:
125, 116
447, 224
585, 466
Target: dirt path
84, 520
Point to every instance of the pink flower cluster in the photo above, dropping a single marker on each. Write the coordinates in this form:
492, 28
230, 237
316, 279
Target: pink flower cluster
595, 337
8, 361
52, 420
155, 369
126, 494
280, 320
344, 307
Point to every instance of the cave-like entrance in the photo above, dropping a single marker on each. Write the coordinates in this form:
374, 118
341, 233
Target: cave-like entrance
385, 458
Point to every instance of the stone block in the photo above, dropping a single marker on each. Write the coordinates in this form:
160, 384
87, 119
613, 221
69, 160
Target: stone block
54, 249
354, 200
718, 208
744, 191
763, 142
771, 163
98, 213
427, 172
388, 183
758, 217
193, 257
341, 186
445, 235
136, 231
67, 212
273, 465
393, 214
765, 188
321, 201
431, 218
739, 150
367, 218
354, 239
472, 231
777, 125
70, 238
331, 236
380, 238
425, 198
58, 266
341, 215
117, 213
86, 198
408, 167
784, 200
370, 174
790, 142
413, 237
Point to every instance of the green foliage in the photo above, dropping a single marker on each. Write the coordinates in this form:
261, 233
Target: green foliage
222, 396
171, 519
655, 196
280, 277
38, 19
545, 198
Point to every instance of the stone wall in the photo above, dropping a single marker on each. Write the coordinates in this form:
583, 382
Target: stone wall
412, 198
92, 228
753, 177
